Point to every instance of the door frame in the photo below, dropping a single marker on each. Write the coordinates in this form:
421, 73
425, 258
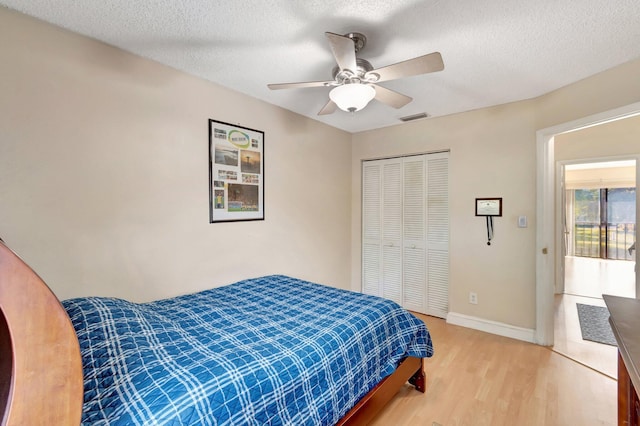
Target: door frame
546, 264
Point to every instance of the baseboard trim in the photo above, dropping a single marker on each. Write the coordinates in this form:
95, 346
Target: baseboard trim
493, 327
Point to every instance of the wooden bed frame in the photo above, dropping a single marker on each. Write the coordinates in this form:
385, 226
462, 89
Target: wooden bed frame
41, 370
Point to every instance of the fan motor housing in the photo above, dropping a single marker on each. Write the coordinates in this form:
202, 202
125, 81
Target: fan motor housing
359, 40
363, 67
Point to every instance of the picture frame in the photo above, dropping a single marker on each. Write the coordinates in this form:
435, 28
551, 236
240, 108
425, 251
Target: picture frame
236, 173
488, 206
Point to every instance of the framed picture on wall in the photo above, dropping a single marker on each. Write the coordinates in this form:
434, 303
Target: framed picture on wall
236, 173
488, 206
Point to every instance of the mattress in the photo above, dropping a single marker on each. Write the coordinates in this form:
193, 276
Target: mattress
270, 350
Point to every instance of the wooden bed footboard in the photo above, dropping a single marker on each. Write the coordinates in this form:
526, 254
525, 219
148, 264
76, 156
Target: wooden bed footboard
41, 368
411, 370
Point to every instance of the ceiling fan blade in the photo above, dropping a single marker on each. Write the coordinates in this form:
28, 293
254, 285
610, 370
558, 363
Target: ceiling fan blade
343, 50
329, 108
420, 65
390, 97
279, 86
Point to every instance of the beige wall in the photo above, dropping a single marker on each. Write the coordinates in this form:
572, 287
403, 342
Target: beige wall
104, 174
103, 177
616, 138
493, 154
606, 177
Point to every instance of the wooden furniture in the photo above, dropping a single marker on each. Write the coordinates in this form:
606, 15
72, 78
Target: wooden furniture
41, 371
410, 370
41, 381
625, 323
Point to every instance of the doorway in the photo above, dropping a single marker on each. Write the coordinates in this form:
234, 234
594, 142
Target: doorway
548, 241
599, 228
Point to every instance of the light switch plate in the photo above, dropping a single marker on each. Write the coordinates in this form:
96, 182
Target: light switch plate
522, 221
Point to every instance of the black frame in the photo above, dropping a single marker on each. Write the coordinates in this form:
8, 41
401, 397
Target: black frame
498, 199
255, 146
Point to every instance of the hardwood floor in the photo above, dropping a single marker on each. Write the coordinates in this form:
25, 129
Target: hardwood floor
585, 281
477, 378
568, 337
590, 277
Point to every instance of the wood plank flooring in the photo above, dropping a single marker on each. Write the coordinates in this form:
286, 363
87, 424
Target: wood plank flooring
586, 279
477, 378
568, 337
589, 277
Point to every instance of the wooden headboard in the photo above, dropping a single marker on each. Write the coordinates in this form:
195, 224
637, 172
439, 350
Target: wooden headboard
40, 365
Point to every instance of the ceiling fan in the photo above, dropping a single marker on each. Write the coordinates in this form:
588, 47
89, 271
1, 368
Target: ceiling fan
355, 80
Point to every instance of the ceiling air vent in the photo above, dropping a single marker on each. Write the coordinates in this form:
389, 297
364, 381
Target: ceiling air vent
414, 117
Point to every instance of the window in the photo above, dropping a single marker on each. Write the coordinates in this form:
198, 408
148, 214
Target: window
604, 222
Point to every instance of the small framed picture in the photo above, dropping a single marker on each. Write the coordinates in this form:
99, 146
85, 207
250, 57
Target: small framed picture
488, 206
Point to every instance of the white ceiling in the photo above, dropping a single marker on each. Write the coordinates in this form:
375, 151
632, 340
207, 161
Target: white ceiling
495, 51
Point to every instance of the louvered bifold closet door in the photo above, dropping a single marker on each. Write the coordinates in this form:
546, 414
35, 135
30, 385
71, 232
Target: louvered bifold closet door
371, 228
405, 231
414, 259
392, 230
437, 234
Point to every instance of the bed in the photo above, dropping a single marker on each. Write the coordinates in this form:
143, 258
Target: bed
269, 350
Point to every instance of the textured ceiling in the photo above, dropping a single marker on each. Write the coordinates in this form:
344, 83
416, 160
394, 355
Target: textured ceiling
495, 51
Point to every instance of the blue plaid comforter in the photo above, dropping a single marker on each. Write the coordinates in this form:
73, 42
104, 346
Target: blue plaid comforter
271, 350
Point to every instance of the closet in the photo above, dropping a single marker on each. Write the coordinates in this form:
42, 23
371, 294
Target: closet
405, 231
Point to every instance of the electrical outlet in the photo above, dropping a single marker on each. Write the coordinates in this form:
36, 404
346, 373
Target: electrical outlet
473, 298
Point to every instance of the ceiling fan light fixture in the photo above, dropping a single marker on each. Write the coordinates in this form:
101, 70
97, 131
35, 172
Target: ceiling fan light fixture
352, 97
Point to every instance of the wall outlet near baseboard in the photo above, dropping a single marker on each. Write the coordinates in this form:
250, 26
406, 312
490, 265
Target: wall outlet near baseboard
473, 298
